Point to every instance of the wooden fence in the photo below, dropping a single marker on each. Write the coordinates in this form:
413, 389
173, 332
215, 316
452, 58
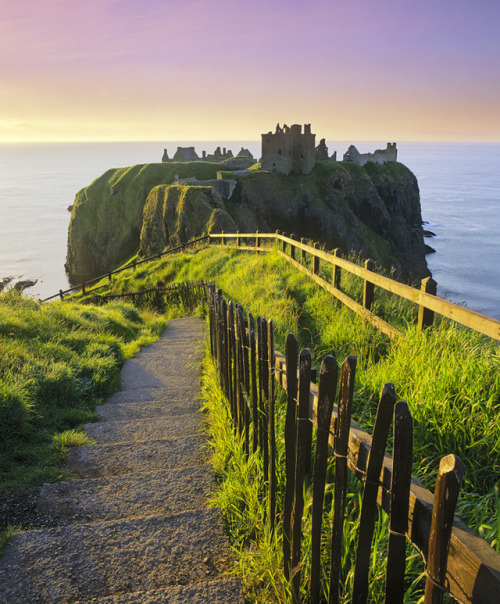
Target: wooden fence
188, 293
83, 287
457, 561
426, 300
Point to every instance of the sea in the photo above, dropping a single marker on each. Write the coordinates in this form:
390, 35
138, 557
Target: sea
459, 191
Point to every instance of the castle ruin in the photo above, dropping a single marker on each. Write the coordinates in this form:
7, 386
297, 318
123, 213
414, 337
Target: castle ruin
289, 150
380, 156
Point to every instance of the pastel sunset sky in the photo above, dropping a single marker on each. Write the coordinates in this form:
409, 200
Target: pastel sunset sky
228, 69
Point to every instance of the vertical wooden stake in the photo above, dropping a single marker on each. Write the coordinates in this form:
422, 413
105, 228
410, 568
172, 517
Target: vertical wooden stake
369, 501
426, 316
303, 253
272, 437
368, 287
326, 395
253, 378
292, 247
337, 271
291, 357
400, 496
298, 508
341, 451
449, 481
316, 260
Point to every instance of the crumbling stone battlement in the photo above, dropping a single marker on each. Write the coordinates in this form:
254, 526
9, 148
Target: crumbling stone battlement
289, 149
380, 156
184, 154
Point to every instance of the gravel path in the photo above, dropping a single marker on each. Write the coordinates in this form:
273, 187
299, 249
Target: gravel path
135, 527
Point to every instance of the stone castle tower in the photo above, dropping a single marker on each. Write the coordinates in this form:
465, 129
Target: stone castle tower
289, 150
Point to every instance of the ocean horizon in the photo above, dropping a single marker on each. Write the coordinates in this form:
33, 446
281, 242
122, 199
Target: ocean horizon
459, 189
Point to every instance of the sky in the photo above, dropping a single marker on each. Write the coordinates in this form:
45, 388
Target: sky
125, 70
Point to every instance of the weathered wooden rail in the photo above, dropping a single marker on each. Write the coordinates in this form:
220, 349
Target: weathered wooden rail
428, 303
457, 560
83, 287
189, 293
426, 300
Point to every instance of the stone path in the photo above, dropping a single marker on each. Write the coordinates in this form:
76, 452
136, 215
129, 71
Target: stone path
135, 527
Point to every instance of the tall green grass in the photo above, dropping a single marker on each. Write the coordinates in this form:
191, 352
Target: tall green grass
57, 362
448, 375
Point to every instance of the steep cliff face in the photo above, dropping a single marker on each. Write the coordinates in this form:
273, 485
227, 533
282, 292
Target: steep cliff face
106, 219
177, 213
373, 209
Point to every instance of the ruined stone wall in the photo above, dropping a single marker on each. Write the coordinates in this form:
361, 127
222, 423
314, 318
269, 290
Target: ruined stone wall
380, 156
289, 150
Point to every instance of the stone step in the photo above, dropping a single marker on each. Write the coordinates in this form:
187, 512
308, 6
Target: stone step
152, 428
98, 461
222, 591
146, 409
86, 561
173, 393
165, 492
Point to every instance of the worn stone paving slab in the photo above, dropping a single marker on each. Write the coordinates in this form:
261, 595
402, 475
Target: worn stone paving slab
153, 428
213, 592
166, 492
91, 560
145, 409
111, 460
177, 393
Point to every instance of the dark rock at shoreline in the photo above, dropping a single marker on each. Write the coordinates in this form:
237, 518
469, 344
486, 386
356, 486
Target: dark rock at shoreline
429, 233
429, 249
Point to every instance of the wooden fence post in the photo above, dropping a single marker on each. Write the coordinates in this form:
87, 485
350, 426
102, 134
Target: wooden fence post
316, 260
402, 456
368, 287
326, 395
83, 288
303, 252
283, 244
230, 356
264, 409
61, 295
291, 356
369, 501
109, 277
272, 436
302, 418
426, 316
337, 271
237, 238
257, 240
222, 239
292, 247
253, 378
449, 480
341, 450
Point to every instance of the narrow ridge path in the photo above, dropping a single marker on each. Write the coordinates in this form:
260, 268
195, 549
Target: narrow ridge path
136, 526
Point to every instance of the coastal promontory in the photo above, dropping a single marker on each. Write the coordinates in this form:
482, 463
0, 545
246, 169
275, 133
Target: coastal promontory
372, 209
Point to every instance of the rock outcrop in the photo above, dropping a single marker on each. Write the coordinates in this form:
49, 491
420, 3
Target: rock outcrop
374, 210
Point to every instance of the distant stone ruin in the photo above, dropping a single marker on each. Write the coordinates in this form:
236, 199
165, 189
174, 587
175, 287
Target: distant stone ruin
242, 161
380, 156
289, 150
284, 151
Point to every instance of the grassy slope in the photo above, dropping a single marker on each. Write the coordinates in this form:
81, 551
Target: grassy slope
57, 362
449, 377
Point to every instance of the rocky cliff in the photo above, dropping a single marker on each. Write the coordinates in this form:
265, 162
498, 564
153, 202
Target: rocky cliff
373, 209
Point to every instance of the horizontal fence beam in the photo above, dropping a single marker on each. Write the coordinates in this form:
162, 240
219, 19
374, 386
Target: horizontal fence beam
468, 318
473, 567
132, 265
